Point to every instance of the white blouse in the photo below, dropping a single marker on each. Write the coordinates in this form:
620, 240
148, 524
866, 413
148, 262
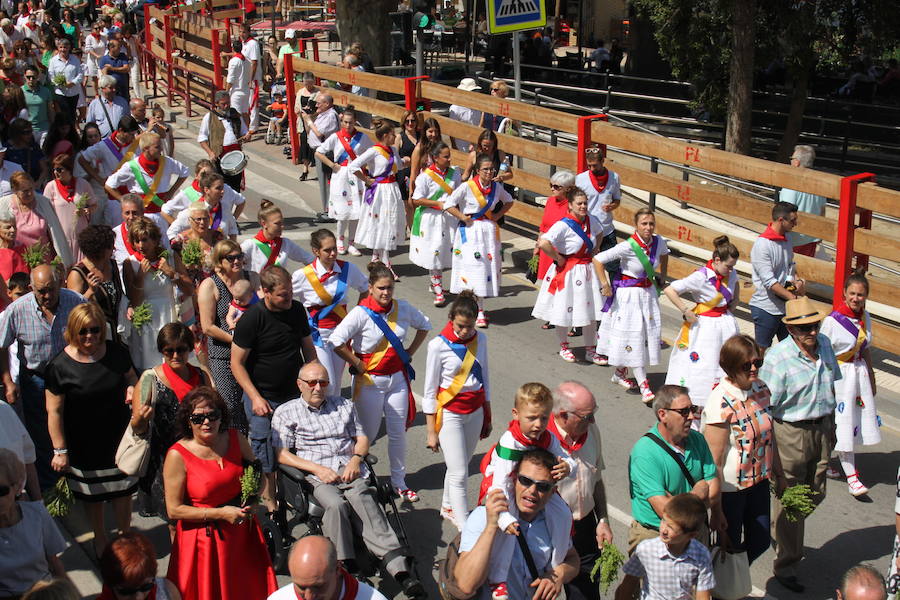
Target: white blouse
441, 366
629, 263
463, 198
699, 288
306, 295
255, 260
566, 241
359, 327
374, 161
336, 148
173, 171
426, 187
841, 340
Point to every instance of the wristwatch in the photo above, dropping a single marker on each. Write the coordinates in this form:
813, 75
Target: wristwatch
60, 451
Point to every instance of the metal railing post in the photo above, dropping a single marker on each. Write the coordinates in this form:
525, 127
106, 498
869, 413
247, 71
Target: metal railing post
217, 58
685, 176
654, 168
411, 93
291, 93
843, 260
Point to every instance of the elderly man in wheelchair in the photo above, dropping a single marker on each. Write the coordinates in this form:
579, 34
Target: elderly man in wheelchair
321, 436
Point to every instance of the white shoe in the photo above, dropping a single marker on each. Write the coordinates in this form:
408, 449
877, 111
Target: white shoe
351, 249
832, 473
565, 353
341, 250
598, 359
647, 394
856, 487
619, 376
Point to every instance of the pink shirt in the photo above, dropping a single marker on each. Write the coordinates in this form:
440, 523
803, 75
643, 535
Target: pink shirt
31, 228
65, 211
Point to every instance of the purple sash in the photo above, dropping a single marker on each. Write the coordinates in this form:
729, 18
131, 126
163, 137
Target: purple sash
722, 289
217, 217
616, 284
369, 196
113, 148
845, 322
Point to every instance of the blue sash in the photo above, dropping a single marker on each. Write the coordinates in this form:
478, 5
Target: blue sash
354, 143
489, 201
460, 351
393, 340
576, 227
337, 299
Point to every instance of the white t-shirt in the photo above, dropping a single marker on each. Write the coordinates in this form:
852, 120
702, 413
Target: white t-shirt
612, 192
464, 115
13, 435
366, 335
174, 171
238, 74
251, 52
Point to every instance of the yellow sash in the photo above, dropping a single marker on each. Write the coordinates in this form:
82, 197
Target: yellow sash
476, 191
128, 155
440, 181
154, 185
320, 291
383, 346
387, 157
684, 333
459, 380
861, 336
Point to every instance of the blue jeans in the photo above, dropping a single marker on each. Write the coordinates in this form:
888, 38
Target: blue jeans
767, 326
260, 435
34, 409
748, 514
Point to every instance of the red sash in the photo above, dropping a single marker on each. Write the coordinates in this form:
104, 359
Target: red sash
179, 385
274, 245
344, 138
582, 257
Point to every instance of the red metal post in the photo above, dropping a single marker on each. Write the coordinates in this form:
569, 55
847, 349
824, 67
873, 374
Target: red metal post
315, 43
584, 138
148, 37
170, 79
843, 260
291, 98
217, 58
411, 92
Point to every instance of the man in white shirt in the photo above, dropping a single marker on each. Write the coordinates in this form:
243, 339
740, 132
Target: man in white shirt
319, 125
238, 81
9, 35
316, 573
464, 114
65, 65
107, 109
7, 168
604, 196
132, 208
223, 130
253, 53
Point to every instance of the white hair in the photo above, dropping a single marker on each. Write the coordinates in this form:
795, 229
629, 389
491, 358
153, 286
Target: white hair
106, 81
805, 155
6, 215
563, 177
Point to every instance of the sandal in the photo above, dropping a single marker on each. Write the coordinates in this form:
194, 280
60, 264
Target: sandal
548, 325
565, 353
575, 332
408, 495
481, 322
440, 300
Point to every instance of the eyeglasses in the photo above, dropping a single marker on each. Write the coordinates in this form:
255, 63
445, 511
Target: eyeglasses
144, 587
592, 150
173, 351
233, 257
487, 170
89, 330
4, 490
412, 121
588, 418
748, 366
493, 89
314, 382
29, 77
687, 411
200, 418
807, 327
553, 186
200, 219
542, 486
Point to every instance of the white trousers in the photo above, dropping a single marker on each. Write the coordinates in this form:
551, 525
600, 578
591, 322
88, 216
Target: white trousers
458, 436
135, 79
388, 396
333, 363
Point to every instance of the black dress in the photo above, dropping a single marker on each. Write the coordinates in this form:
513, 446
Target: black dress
306, 153
406, 149
220, 360
94, 418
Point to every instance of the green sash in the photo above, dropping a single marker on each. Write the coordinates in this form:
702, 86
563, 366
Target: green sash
444, 188
645, 263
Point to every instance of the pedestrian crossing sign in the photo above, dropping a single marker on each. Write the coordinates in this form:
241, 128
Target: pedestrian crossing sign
515, 15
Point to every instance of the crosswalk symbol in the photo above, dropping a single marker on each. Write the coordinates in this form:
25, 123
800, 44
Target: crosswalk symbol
515, 15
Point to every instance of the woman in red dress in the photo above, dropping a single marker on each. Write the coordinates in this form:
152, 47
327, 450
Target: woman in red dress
555, 209
218, 552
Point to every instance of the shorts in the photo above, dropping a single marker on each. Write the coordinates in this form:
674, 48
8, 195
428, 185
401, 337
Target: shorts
260, 434
766, 326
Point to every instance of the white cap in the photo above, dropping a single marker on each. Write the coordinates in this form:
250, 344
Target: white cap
468, 84
289, 34
2, 147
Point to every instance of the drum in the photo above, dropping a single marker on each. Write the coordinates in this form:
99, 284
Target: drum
233, 163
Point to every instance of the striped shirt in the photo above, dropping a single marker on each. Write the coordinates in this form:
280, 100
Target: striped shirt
323, 435
802, 389
669, 577
24, 321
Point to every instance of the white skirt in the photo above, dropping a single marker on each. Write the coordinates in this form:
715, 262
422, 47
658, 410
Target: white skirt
696, 367
240, 101
346, 196
629, 333
477, 262
855, 425
433, 247
382, 224
577, 304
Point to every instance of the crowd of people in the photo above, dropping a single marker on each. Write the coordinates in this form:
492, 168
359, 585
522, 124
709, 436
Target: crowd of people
132, 317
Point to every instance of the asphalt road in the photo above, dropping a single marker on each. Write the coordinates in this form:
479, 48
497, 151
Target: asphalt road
842, 532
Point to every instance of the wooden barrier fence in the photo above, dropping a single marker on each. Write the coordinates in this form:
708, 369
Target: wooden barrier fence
859, 196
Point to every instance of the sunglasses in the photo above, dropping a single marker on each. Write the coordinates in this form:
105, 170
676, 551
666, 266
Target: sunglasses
411, 121
542, 486
806, 327
4, 490
144, 587
553, 186
173, 351
200, 418
588, 418
748, 366
233, 257
315, 382
687, 411
89, 330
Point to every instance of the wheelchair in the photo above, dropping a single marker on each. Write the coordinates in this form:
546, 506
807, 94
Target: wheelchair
298, 506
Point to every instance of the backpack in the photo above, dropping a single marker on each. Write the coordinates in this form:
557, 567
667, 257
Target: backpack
446, 581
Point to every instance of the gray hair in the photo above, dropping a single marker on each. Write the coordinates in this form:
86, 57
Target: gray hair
865, 576
352, 60
327, 98
667, 394
132, 199
563, 178
198, 206
805, 155
562, 399
7, 215
220, 94
106, 81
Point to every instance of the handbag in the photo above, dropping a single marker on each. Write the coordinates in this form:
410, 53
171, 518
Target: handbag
133, 453
732, 573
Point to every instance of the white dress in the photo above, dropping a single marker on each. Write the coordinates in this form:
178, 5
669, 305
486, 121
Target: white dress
431, 236
159, 292
855, 417
382, 223
576, 300
696, 366
629, 333
345, 198
476, 249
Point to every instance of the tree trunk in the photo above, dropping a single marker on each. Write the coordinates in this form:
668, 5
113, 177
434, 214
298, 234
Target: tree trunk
369, 23
740, 85
795, 116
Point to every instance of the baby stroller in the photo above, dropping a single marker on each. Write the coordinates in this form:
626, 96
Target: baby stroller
297, 505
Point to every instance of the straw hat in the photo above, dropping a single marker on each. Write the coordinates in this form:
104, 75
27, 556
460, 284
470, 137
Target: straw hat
468, 85
801, 311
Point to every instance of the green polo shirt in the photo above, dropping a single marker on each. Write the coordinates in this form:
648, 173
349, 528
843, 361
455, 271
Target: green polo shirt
38, 102
652, 472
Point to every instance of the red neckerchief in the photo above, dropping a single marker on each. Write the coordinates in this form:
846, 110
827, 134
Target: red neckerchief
115, 139
107, 594
31, 25
327, 275
441, 174
196, 185
128, 247
275, 245
96, 36
484, 191
369, 302
385, 148
770, 234
580, 221
179, 385
240, 307
149, 166
641, 243
600, 182
572, 447
66, 191
848, 312
240, 56
719, 278
451, 336
351, 586
516, 431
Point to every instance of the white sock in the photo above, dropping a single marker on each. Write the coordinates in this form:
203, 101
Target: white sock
590, 334
562, 334
848, 462
341, 231
640, 374
437, 279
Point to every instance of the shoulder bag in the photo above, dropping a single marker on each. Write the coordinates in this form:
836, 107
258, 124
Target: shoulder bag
133, 453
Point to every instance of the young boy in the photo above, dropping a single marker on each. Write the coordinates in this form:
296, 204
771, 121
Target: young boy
674, 564
278, 110
528, 429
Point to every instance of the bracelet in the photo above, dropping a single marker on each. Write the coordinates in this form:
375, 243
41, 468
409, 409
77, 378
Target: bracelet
360, 456
60, 451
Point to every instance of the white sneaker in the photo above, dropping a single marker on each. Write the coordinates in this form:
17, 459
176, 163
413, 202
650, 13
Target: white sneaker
598, 359
856, 486
647, 394
351, 249
619, 376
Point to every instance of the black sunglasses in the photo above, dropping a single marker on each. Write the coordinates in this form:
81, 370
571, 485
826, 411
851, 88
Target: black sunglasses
542, 486
145, 587
92, 330
589, 418
200, 418
748, 366
172, 351
807, 327
687, 410
314, 382
4, 490
234, 257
